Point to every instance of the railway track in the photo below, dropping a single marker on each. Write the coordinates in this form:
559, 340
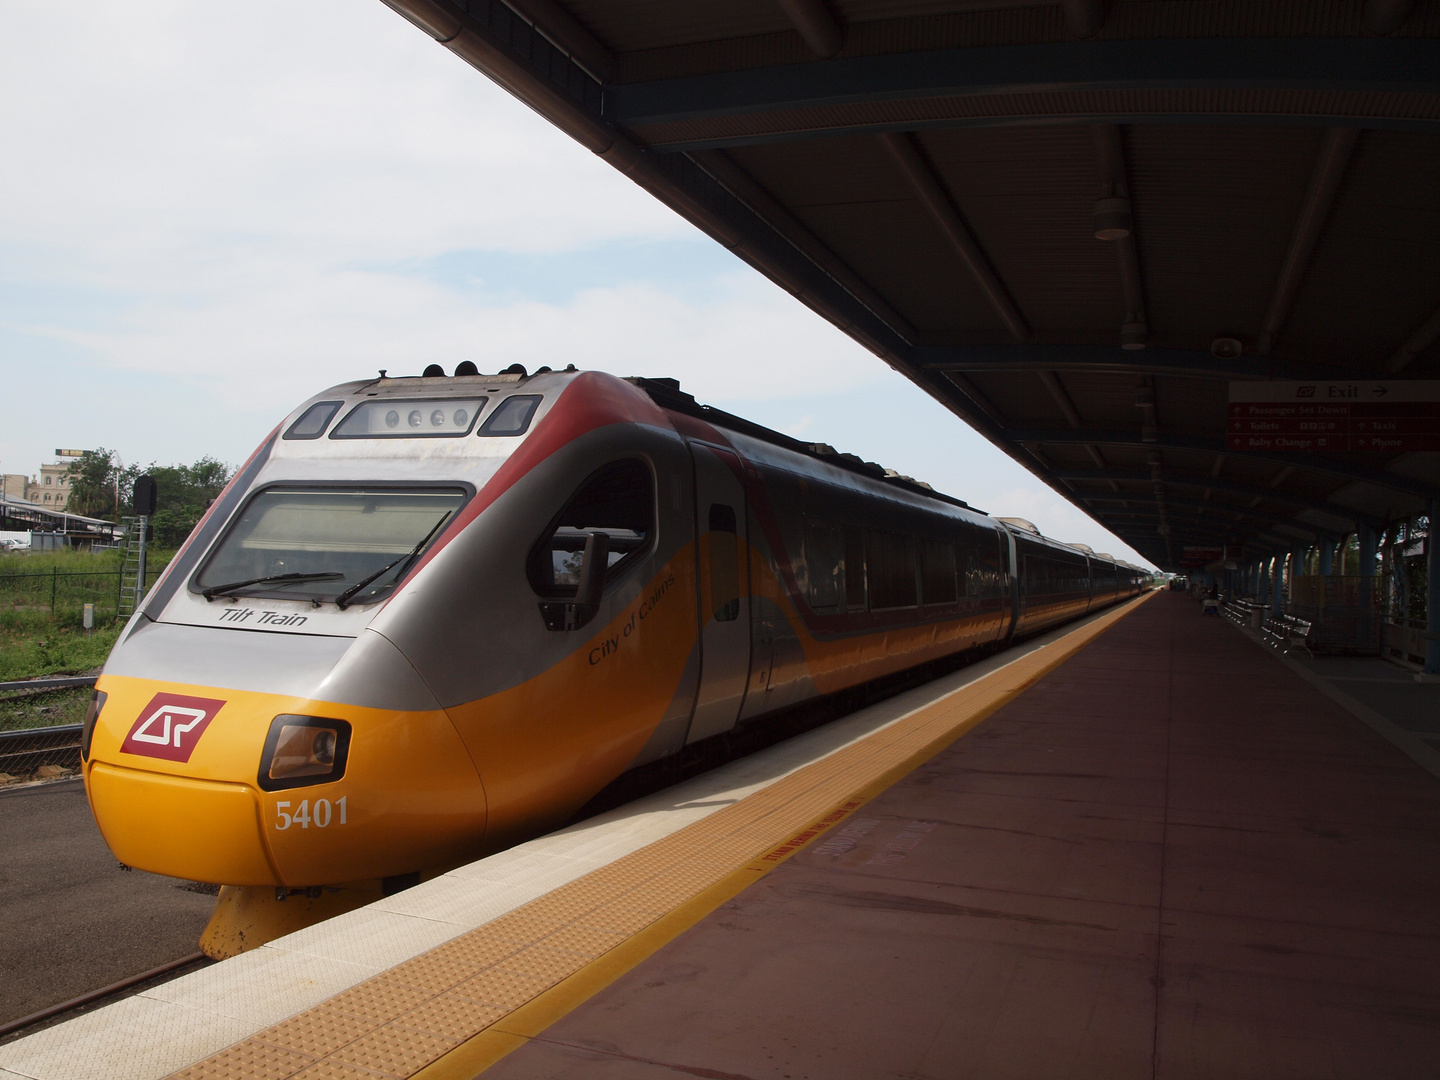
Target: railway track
26, 751
103, 996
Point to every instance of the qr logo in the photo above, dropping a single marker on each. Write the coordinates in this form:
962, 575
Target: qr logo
170, 726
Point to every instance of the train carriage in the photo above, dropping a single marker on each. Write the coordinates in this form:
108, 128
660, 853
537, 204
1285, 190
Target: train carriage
433, 616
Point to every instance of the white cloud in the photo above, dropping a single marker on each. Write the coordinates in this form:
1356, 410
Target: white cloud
215, 210
296, 330
218, 175
157, 135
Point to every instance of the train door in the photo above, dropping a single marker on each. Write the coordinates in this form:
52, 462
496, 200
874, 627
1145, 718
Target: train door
1010, 556
723, 572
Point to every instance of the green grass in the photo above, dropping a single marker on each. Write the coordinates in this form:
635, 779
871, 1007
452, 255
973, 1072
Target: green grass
38, 639
50, 709
42, 562
32, 644
42, 605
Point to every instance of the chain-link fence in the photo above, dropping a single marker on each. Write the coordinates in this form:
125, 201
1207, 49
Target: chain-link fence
24, 753
27, 749
1341, 610
66, 592
62, 591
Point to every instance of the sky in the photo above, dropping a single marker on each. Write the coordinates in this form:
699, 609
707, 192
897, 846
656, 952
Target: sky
210, 212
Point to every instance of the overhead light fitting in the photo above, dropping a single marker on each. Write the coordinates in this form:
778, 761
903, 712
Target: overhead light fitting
1112, 219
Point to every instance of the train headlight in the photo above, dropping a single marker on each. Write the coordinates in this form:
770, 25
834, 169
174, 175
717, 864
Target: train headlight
301, 750
92, 716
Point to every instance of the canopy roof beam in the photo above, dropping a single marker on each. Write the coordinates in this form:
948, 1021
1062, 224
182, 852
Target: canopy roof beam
557, 24
1218, 512
1336, 510
818, 28
1054, 82
1206, 529
1311, 462
1335, 152
1188, 363
940, 204
1425, 336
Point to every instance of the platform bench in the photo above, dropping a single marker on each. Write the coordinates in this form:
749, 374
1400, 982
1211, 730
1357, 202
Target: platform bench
1284, 632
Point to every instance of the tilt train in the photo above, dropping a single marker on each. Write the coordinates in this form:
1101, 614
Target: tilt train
432, 617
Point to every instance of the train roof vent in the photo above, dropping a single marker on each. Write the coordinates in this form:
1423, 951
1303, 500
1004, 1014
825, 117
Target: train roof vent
891, 474
664, 392
1082, 547
1020, 523
824, 449
1104, 555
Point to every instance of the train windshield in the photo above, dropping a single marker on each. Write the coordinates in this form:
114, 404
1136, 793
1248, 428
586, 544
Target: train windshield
345, 546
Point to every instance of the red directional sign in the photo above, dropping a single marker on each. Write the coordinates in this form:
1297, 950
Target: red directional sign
1193, 556
1338, 417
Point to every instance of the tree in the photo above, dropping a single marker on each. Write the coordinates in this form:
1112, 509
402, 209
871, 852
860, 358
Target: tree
92, 484
185, 491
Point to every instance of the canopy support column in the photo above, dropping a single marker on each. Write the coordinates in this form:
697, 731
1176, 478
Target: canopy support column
1432, 594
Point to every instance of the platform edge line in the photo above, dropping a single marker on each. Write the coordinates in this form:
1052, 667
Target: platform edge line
521, 1025
1405, 741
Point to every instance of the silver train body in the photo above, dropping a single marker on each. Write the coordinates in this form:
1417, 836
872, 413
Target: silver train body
572, 575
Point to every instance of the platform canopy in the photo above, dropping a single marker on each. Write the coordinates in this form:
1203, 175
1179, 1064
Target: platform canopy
1081, 226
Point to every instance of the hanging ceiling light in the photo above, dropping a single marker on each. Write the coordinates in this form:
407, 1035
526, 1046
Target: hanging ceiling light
1112, 219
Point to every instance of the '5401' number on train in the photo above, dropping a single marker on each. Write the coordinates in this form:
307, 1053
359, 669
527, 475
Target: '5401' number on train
320, 816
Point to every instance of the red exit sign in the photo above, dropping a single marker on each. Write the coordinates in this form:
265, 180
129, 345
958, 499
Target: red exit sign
1334, 417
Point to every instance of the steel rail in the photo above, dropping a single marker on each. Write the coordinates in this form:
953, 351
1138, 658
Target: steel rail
27, 749
59, 683
96, 995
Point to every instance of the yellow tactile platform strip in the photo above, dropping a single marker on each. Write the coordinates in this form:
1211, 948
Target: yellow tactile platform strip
463, 1005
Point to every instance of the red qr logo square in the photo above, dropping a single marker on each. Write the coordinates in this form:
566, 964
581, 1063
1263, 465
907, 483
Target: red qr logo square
170, 726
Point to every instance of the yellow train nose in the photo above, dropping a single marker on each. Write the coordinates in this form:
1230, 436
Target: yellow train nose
198, 829
238, 787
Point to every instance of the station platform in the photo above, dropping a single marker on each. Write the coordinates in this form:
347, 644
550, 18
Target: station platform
1139, 846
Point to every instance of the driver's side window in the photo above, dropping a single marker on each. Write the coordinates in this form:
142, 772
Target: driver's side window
618, 501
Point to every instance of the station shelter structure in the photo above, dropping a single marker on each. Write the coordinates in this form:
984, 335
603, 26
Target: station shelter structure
1176, 257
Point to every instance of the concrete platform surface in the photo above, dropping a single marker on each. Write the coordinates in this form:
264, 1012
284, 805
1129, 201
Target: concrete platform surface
429, 972
1172, 857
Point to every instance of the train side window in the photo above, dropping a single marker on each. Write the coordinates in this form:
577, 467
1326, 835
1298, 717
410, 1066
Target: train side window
982, 563
724, 563
854, 570
314, 420
983, 574
512, 416
937, 572
890, 567
823, 562
619, 501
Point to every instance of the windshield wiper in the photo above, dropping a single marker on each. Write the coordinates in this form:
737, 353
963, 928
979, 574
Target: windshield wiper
286, 579
343, 600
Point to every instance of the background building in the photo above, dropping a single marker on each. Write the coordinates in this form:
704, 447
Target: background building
50, 488
53, 488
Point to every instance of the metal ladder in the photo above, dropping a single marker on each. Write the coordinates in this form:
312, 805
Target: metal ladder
132, 573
